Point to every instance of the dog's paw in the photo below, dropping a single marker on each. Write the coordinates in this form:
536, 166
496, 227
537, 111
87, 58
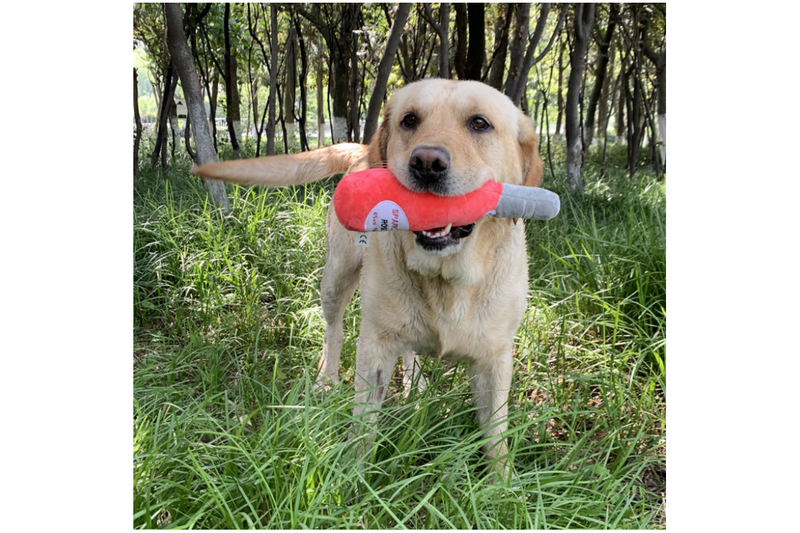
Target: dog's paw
324, 383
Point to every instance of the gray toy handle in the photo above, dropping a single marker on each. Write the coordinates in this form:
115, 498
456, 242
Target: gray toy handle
527, 202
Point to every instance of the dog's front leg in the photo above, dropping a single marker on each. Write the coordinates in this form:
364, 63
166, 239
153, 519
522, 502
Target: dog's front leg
490, 379
412, 373
375, 363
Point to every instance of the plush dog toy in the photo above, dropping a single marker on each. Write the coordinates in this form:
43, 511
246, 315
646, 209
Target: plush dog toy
373, 200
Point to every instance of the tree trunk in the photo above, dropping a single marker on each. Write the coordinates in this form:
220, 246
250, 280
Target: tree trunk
441, 31
560, 90
515, 86
384, 69
584, 16
212, 104
600, 78
660, 62
273, 78
233, 115
602, 110
184, 63
289, 90
320, 107
303, 79
170, 82
138, 119
498, 65
619, 125
354, 132
174, 128
476, 53
460, 59
518, 43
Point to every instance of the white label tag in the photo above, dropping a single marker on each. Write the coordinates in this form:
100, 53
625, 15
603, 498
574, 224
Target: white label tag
386, 216
362, 239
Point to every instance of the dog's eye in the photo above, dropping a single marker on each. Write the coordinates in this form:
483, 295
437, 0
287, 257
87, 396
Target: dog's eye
409, 121
479, 124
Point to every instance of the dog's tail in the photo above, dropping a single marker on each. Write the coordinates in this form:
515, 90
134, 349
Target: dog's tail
285, 170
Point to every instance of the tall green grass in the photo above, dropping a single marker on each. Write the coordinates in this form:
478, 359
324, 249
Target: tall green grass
228, 330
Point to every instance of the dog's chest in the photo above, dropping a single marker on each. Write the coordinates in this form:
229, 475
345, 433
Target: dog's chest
460, 323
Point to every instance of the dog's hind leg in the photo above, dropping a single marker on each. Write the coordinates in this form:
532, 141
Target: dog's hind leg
339, 282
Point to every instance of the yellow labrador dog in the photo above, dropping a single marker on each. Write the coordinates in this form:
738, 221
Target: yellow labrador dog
454, 292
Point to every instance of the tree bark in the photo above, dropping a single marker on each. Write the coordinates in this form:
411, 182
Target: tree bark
476, 53
460, 59
184, 64
619, 125
233, 115
320, 107
167, 97
138, 119
600, 77
384, 70
273, 78
212, 105
303, 91
602, 110
584, 17
516, 86
289, 90
441, 31
354, 132
498, 64
340, 45
174, 128
560, 90
660, 62
519, 40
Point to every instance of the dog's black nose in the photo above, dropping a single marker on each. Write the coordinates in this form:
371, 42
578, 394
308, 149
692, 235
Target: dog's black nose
429, 164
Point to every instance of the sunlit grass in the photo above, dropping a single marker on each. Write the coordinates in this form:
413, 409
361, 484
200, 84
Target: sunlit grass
228, 330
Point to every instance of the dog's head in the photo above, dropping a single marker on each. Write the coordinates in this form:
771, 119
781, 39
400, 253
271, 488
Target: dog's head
449, 138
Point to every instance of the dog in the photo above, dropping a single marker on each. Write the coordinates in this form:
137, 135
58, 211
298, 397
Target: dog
455, 292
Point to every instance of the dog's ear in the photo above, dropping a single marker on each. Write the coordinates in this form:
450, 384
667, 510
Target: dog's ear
376, 156
532, 168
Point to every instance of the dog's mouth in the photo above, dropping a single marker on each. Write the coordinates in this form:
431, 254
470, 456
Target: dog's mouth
436, 239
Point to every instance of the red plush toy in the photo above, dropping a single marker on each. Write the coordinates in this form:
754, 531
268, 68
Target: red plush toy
373, 200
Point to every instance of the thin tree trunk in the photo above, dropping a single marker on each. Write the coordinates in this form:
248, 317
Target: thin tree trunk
184, 63
476, 53
460, 59
233, 115
619, 125
174, 128
518, 42
273, 78
560, 90
441, 31
660, 62
320, 107
170, 82
289, 90
354, 132
515, 84
303, 91
138, 119
498, 63
584, 16
384, 69
602, 111
212, 103
600, 77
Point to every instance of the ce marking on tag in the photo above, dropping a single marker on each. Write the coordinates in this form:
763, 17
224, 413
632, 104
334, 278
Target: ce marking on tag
362, 239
